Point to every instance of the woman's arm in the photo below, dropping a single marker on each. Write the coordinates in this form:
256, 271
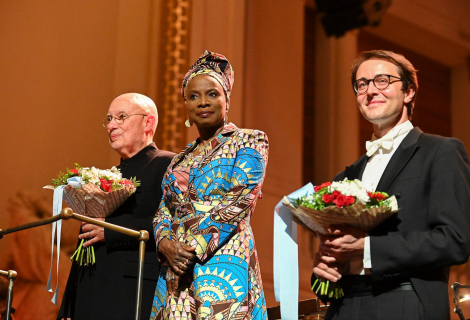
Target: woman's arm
239, 201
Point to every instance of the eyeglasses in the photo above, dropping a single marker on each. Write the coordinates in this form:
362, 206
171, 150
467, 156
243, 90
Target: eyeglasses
381, 82
119, 119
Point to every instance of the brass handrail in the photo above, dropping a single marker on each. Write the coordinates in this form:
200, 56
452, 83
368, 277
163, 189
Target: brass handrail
67, 213
11, 276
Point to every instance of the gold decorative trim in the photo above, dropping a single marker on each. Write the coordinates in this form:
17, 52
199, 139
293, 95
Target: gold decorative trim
176, 33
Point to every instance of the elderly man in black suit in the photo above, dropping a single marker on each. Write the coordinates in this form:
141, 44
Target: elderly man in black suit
401, 269
106, 290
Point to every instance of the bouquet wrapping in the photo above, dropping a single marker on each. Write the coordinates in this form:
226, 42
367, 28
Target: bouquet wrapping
92, 201
356, 215
94, 193
345, 202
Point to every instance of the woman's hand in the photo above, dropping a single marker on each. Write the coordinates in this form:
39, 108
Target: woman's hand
179, 255
91, 232
172, 281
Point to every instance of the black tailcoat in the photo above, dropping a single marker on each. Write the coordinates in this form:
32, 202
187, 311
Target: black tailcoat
107, 289
430, 177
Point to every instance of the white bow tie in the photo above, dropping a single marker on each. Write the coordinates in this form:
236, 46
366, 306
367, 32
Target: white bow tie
384, 143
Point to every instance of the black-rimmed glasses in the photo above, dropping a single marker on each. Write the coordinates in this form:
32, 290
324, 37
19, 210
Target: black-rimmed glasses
381, 82
119, 119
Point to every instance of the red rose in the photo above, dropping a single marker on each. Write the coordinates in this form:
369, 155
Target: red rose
330, 198
377, 196
126, 182
323, 185
344, 201
106, 184
74, 171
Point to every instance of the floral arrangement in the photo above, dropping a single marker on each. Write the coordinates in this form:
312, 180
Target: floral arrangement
95, 193
344, 202
107, 180
342, 194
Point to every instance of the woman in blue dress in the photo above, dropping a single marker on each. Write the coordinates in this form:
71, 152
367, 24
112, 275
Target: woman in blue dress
202, 229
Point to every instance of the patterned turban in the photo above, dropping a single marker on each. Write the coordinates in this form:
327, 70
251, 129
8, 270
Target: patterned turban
214, 65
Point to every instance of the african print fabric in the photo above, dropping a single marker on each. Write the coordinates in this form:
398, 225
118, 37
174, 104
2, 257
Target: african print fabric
208, 202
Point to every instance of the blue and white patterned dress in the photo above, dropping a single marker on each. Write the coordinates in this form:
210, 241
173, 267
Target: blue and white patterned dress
207, 203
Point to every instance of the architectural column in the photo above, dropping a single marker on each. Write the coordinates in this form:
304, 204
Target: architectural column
175, 30
336, 115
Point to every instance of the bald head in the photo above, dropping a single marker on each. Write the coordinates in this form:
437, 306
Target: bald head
132, 121
143, 102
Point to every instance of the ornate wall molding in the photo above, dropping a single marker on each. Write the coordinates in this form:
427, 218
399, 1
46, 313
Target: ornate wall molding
175, 30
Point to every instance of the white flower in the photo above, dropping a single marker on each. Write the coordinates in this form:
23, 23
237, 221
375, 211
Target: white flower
351, 188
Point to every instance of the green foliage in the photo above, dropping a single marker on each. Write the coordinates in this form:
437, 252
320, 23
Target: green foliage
135, 182
374, 203
313, 201
62, 177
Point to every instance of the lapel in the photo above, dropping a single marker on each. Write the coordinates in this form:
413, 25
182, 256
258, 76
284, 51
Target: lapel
221, 138
216, 143
355, 170
400, 158
180, 156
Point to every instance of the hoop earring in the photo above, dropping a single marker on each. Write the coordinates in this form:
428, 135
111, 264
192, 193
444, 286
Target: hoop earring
188, 123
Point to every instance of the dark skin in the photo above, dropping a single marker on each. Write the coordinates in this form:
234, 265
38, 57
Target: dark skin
206, 106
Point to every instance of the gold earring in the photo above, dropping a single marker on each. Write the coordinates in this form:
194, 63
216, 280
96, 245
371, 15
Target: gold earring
188, 123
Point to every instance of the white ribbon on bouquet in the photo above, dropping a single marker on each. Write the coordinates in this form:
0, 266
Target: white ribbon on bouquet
56, 209
286, 275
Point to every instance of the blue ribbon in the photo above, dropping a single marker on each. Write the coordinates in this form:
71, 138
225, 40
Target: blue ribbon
286, 275
56, 209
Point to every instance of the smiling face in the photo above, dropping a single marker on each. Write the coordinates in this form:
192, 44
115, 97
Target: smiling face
205, 102
129, 137
383, 108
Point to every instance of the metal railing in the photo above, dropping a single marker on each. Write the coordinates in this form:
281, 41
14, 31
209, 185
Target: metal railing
66, 214
11, 276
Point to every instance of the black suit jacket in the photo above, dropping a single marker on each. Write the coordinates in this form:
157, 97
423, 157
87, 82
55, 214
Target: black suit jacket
430, 177
107, 289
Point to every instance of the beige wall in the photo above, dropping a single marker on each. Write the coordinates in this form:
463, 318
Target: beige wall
61, 65
57, 78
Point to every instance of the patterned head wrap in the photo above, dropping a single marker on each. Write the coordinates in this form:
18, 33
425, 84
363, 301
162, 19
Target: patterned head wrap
214, 65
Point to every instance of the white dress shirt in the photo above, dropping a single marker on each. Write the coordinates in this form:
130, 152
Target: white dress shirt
376, 167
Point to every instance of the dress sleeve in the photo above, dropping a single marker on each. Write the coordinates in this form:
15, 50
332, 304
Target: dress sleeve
163, 219
238, 203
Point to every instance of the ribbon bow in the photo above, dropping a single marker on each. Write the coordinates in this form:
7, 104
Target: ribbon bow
384, 143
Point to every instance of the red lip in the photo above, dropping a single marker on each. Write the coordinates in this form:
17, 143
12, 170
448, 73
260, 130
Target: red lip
113, 137
205, 114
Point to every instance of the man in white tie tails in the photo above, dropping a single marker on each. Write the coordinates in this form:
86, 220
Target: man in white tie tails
400, 270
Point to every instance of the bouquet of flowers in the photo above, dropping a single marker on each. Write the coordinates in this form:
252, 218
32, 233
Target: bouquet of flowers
344, 202
95, 193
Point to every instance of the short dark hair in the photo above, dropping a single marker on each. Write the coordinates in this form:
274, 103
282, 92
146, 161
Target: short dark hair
405, 69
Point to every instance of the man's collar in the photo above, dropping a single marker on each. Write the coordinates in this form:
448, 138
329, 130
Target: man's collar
142, 154
403, 128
